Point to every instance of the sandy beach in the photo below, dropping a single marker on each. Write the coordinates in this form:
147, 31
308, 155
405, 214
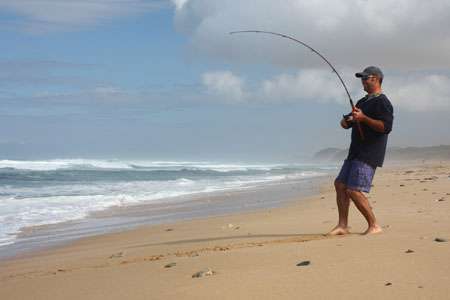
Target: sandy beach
268, 254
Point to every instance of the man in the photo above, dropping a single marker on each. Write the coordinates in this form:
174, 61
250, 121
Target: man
374, 114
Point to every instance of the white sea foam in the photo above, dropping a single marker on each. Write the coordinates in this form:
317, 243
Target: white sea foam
56, 164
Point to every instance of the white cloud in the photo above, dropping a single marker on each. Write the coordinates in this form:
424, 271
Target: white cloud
408, 39
48, 15
306, 85
224, 84
408, 34
420, 92
417, 92
179, 3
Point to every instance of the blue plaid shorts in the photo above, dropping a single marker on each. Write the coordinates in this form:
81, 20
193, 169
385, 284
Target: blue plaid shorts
356, 175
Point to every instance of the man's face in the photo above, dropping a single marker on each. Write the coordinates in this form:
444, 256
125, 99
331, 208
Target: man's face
370, 83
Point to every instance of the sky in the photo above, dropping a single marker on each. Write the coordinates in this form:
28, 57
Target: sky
164, 80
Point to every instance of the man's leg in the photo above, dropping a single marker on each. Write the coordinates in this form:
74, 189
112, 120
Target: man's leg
343, 203
363, 206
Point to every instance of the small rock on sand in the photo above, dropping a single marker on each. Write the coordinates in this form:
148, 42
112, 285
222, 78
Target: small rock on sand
304, 263
169, 229
440, 240
388, 284
441, 199
402, 185
203, 273
409, 251
170, 265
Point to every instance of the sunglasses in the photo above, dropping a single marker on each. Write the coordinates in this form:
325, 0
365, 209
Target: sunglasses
365, 78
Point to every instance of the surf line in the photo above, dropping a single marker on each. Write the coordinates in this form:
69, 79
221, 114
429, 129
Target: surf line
314, 51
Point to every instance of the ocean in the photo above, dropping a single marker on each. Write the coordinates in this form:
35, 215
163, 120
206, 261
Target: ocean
34, 193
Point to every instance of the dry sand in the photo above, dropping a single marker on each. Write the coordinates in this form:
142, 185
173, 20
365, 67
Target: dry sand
255, 255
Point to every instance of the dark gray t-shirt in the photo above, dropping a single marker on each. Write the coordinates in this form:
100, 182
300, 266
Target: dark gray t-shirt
372, 149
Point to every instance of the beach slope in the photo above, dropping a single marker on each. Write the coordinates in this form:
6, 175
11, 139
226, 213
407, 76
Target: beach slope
269, 254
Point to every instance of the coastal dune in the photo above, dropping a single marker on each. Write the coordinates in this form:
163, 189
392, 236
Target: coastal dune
268, 254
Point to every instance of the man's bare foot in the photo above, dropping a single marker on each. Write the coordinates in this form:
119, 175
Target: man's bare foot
373, 229
339, 230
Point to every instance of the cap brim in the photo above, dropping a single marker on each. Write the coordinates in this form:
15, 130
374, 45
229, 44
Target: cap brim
361, 74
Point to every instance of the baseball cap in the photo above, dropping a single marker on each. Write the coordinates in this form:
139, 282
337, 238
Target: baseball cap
372, 70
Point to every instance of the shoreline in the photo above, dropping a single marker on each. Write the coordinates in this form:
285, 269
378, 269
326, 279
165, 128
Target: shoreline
256, 254
199, 206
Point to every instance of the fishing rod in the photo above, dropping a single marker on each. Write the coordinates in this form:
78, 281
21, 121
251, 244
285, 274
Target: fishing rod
320, 55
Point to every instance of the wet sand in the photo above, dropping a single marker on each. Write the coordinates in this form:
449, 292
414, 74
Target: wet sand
268, 254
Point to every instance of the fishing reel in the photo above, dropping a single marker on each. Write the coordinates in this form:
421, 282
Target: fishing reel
348, 118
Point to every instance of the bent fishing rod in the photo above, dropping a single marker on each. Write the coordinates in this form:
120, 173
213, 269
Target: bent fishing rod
316, 52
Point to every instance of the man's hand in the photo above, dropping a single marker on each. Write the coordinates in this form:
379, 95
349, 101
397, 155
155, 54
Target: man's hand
358, 115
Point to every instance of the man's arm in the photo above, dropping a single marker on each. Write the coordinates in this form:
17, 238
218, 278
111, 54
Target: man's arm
376, 125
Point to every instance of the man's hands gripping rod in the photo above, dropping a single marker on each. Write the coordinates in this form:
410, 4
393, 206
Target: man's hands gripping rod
357, 116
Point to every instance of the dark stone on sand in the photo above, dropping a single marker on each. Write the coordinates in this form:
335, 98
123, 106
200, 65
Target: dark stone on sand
304, 263
420, 287
440, 240
402, 185
170, 265
169, 229
387, 284
409, 251
441, 199
203, 273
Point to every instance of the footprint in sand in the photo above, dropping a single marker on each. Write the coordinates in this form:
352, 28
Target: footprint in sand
116, 255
